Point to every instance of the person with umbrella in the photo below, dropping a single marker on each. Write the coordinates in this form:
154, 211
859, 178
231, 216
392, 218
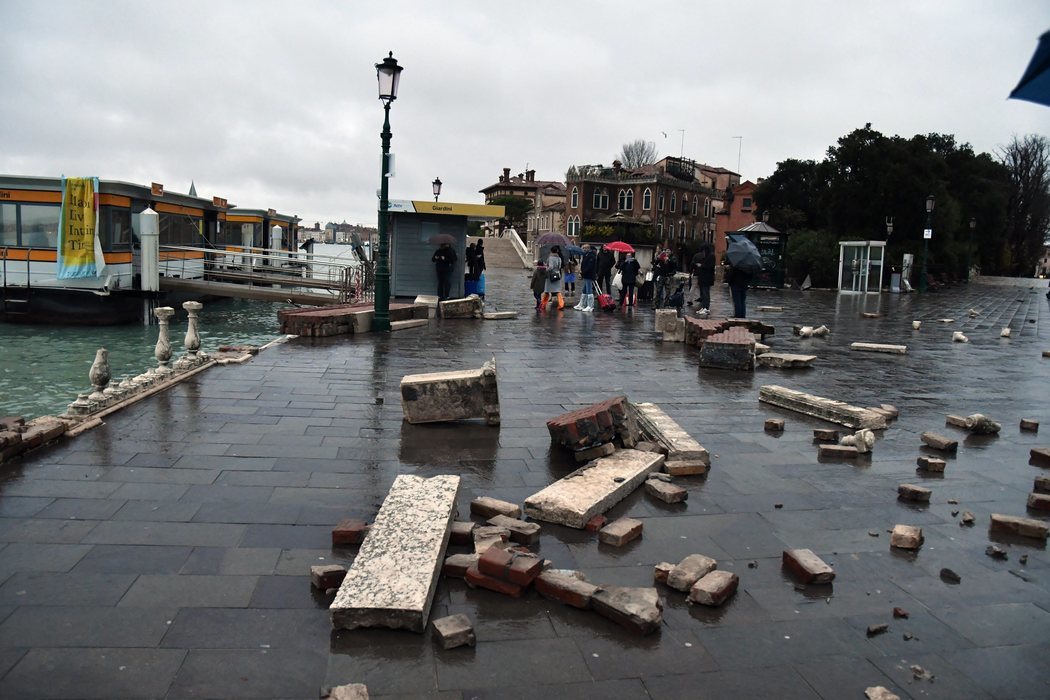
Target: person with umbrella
744, 261
629, 270
553, 285
444, 260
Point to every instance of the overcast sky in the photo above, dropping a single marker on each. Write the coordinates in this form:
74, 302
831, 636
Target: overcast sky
274, 104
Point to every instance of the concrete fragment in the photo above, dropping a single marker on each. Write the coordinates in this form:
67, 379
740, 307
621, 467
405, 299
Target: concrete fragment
775, 425
958, 337
863, 440
685, 468
1040, 455
593, 488
784, 360
598, 423
659, 428
878, 692
1039, 501
967, 519
661, 571
587, 454
714, 588
837, 452
931, 464
351, 691
1005, 332
880, 347
456, 565
1029, 425
819, 407
1042, 484
620, 532
916, 325
499, 315
565, 589
916, 494
462, 533
877, 629
488, 536
689, 571
520, 531
939, 442
448, 396
825, 435
637, 609
408, 323
467, 307
663, 491
518, 568
977, 424
392, 580
327, 576
350, 531
807, 566
996, 552
890, 409
906, 537
454, 631
487, 507
476, 579
870, 314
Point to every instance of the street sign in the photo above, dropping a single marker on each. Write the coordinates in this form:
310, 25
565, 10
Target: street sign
927, 233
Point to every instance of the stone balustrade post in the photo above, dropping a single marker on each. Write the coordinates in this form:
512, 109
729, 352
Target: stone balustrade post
163, 349
99, 375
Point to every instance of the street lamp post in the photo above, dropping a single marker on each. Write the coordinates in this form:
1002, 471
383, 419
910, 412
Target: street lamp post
436, 184
927, 234
389, 74
969, 248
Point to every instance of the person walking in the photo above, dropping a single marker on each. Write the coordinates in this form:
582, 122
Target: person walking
606, 263
469, 257
477, 265
738, 281
588, 273
703, 269
444, 260
629, 270
539, 281
553, 284
570, 276
664, 269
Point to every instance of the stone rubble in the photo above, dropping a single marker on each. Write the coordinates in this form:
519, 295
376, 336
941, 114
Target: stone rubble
689, 571
1039, 501
351, 691
468, 307
835, 452
568, 590
663, 491
906, 537
637, 609
454, 631
931, 464
448, 396
880, 347
774, 425
348, 532
1040, 455
714, 588
596, 424
878, 692
1041, 484
1029, 425
1023, 527
785, 360
913, 493
976, 423
521, 532
863, 440
958, 337
487, 507
819, 407
826, 435
620, 532
327, 576
939, 442
680, 448
807, 566
488, 536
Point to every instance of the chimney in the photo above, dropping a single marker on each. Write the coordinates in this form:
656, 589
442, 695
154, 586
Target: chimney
617, 166
530, 175
506, 175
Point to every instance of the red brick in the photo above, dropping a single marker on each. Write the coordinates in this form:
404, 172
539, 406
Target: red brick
348, 532
519, 568
596, 523
476, 579
565, 589
456, 565
588, 426
807, 566
620, 532
462, 533
329, 576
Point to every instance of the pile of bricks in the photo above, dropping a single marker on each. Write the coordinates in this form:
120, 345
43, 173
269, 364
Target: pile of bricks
733, 348
595, 425
697, 330
17, 436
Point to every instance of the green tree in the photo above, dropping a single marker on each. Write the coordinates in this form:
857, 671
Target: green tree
517, 209
1028, 211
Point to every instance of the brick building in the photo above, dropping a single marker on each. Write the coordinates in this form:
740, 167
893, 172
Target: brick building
739, 211
547, 197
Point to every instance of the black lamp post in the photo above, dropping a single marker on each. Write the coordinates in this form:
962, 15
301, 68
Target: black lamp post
437, 187
927, 234
389, 74
969, 248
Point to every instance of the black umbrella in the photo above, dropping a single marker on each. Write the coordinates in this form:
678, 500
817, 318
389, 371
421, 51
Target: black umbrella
439, 238
1035, 83
743, 255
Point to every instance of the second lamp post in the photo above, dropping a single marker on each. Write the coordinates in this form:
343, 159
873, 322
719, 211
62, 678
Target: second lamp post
927, 234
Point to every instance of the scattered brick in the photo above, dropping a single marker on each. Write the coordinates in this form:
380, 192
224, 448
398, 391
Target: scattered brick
327, 576
520, 531
968, 519
661, 572
668, 493
488, 536
906, 537
774, 425
519, 569
636, 609
1042, 484
916, 494
807, 566
1025, 527
875, 630
931, 464
1039, 501
901, 613
976, 423
685, 467
486, 507
565, 589
462, 533
690, 570
714, 588
454, 631
1029, 425
1040, 455
456, 565
825, 435
837, 452
349, 532
596, 523
995, 552
476, 579
594, 424
620, 532
939, 442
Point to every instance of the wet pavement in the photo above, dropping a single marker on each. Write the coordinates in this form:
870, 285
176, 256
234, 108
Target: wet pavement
167, 553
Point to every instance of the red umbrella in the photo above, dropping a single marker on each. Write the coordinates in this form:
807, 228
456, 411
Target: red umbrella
620, 247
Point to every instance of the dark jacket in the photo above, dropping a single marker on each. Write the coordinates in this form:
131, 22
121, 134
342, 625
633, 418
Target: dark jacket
477, 265
444, 259
629, 271
606, 262
703, 267
665, 267
589, 266
539, 279
738, 279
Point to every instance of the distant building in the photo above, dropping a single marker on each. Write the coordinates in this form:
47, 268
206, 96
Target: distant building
545, 195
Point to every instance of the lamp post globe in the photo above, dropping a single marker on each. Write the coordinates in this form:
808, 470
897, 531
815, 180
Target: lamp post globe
436, 184
969, 248
926, 235
389, 76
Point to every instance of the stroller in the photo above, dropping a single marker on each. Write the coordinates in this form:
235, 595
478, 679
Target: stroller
605, 302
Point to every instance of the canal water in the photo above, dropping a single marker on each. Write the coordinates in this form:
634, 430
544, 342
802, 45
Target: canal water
43, 368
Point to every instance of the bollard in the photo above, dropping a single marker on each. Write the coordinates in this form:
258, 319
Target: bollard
99, 375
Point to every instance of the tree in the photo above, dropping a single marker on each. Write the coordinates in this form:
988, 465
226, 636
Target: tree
517, 209
1028, 208
637, 153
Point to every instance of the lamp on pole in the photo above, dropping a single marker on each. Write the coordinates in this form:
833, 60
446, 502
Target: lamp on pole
436, 184
927, 234
389, 74
969, 248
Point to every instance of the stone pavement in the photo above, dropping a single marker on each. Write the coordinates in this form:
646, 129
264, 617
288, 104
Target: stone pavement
167, 553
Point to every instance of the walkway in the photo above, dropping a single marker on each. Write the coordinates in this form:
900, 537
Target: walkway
166, 554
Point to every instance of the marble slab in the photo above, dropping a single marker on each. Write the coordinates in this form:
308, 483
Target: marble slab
820, 407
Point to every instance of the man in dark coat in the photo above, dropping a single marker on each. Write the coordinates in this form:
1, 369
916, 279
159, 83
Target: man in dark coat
738, 281
444, 260
703, 269
588, 272
606, 262
629, 269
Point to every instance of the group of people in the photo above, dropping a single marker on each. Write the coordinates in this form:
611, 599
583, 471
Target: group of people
444, 260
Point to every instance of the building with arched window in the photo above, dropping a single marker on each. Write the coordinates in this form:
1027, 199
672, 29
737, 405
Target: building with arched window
548, 199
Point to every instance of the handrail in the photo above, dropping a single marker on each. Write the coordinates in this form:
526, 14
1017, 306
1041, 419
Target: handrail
516, 241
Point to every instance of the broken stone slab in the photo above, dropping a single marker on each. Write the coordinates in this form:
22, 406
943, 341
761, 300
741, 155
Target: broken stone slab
939, 442
565, 589
1025, 527
863, 440
666, 320
520, 531
906, 537
807, 566
637, 609
689, 571
774, 425
1042, 484
976, 423
958, 337
880, 347
586, 455
916, 494
785, 360
819, 407
448, 396
833, 452
620, 532
327, 576
392, 580
1039, 501
663, 491
467, 307
595, 424
826, 435
429, 301
350, 691
659, 428
454, 631
714, 588
878, 692
685, 468
931, 464
488, 536
1029, 425
1040, 455
408, 323
593, 488
488, 507
499, 315
456, 565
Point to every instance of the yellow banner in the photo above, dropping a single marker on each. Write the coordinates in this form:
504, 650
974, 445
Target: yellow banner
76, 251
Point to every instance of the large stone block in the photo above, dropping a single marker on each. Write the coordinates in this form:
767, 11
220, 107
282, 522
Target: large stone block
714, 588
392, 580
666, 320
906, 537
807, 566
593, 488
448, 396
637, 609
1024, 527
819, 407
595, 424
468, 307
733, 348
661, 429
454, 631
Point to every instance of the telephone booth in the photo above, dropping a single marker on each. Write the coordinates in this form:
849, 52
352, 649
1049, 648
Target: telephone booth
861, 266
